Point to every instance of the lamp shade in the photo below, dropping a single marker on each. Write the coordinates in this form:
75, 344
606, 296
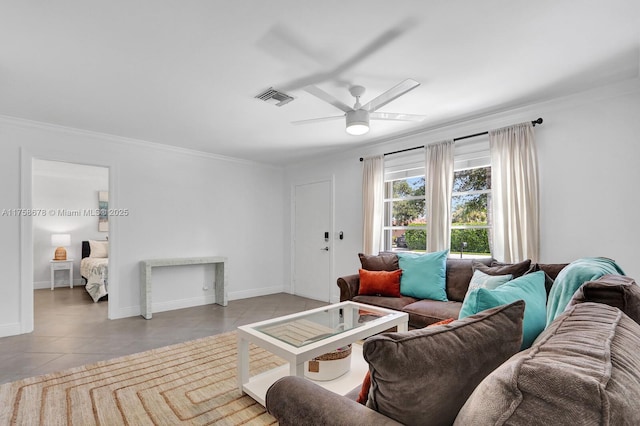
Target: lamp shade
60, 240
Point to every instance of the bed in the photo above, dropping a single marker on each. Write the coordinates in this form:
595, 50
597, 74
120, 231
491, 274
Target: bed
94, 268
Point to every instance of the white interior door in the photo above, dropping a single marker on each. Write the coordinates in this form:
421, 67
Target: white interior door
312, 240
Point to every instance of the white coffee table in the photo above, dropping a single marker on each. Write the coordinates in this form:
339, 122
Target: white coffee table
300, 337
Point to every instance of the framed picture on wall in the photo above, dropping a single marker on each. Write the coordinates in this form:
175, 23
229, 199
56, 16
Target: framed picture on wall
103, 206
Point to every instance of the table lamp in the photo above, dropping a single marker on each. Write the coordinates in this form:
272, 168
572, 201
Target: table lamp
60, 241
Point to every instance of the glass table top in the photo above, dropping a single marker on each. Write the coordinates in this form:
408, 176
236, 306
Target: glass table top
315, 326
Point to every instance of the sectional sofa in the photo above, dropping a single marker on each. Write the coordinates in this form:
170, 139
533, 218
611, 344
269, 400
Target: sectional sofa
458, 274
584, 368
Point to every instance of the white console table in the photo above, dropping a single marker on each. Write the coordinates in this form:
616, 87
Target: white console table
145, 285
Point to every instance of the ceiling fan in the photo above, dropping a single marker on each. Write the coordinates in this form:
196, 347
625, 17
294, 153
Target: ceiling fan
357, 118
283, 43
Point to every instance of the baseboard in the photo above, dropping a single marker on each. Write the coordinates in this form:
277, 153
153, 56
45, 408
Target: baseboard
12, 329
182, 303
134, 311
131, 311
245, 294
39, 285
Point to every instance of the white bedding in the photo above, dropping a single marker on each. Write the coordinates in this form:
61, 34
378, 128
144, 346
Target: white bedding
95, 270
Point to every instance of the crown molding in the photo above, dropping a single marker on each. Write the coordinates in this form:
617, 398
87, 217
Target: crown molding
503, 117
124, 141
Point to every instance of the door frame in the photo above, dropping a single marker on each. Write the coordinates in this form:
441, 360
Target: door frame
332, 234
26, 316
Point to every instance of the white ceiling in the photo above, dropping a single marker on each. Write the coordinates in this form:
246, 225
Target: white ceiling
185, 72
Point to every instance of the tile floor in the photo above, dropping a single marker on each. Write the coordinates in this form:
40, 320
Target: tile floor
70, 330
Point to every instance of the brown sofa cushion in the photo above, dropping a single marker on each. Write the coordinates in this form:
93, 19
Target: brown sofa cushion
584, 369
423, 377
498, 268
551, 269
426, 312
397, 303
380, 262
459, 273
296, 401
363, 395
618, 291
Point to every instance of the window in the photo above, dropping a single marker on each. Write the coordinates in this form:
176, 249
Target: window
405, 215
405, 225
471, 211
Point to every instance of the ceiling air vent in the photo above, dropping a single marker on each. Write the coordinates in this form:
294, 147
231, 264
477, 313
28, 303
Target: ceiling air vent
274, 97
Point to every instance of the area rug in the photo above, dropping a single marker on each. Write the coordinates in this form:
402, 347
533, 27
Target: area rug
192, 383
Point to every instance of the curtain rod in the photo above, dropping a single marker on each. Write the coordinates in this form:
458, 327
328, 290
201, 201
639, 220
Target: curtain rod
533, 123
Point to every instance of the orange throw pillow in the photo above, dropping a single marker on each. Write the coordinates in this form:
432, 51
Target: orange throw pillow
380, 283
364, 392
444, 321
366, 383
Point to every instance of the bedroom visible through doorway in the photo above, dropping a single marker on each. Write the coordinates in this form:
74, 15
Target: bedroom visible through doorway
71, 202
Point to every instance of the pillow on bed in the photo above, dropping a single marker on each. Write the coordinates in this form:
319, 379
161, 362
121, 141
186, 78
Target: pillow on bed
99, 248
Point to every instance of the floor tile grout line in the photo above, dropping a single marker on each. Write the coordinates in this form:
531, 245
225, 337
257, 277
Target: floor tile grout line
167, 328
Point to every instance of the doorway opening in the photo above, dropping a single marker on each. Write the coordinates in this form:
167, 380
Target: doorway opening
72, 204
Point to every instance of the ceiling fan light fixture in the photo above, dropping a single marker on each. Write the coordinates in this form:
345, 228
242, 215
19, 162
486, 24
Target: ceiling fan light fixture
357, 122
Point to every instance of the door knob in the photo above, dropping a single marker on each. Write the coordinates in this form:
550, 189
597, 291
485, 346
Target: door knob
325, 249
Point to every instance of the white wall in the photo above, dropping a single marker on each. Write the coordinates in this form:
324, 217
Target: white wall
589, 149
188, 204
181, 203
69, 187
590, 171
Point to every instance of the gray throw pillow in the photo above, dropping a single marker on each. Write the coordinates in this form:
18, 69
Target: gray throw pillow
584, 369
424, 376
381, 262
498, 268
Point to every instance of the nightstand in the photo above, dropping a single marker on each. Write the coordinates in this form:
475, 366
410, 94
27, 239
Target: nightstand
61, 265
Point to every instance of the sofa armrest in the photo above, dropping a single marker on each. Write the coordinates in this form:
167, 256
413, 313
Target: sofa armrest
298, 401
349, 286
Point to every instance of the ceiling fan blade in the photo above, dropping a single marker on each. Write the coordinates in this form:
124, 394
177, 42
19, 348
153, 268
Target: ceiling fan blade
283, 43
303, 82
374, 45
317, 120
396, 116
334, 73
391, 94
321, 94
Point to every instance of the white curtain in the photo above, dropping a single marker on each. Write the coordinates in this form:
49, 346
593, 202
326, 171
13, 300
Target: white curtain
439, 185
372, 203
514, 187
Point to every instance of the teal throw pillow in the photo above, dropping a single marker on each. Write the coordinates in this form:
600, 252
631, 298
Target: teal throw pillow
529, 287
424, 275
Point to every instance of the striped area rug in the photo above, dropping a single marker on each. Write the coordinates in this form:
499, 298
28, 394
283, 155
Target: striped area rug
192, 383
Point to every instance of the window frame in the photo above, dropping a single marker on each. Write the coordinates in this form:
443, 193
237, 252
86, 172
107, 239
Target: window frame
469, 155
